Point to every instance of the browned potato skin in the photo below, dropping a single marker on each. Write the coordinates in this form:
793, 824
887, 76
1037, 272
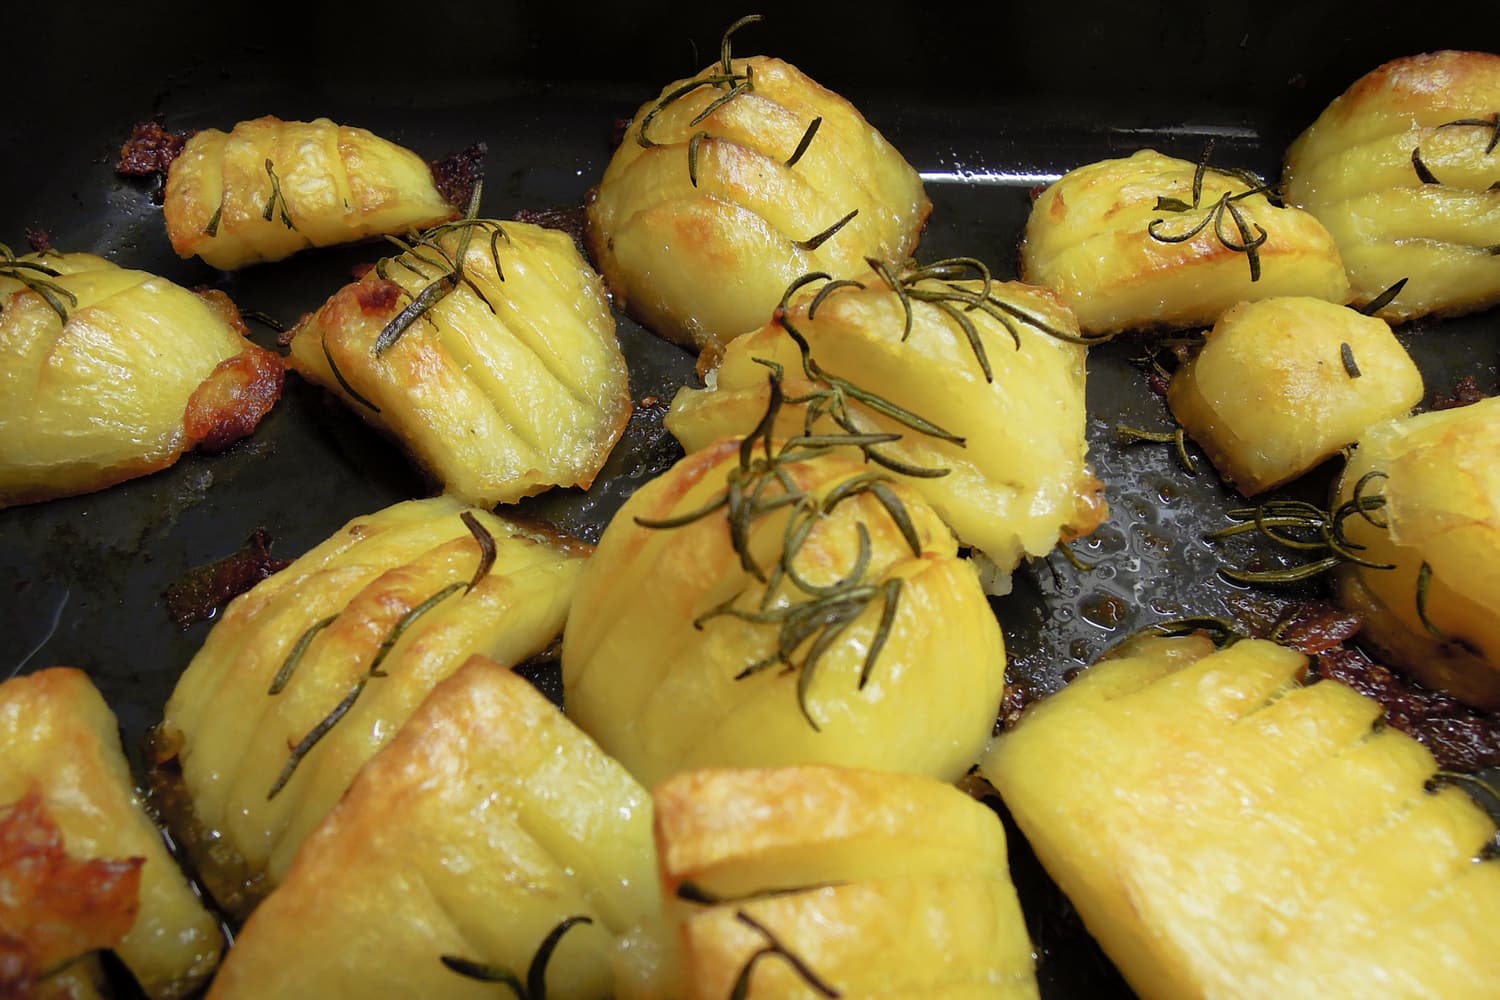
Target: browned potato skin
703, 264
1268, 396
1353, 169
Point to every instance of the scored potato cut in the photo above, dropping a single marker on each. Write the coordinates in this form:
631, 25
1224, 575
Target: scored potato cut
59, 739
700, 225
1439, 475
138, 372
1226, 830
486, 822
1282, 384
510, 383
880, 656
270, 188
1090, 239
878, 882
1402, 170
1017, 481
352, 636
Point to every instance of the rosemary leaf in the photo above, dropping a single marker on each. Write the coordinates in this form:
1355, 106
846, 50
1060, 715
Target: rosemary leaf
306, 744
1423, 174
813, 242
338, 376
741, 989
1384, 299
804, 142
212, 229
429, 297
284, 675
1346, 354
486, 548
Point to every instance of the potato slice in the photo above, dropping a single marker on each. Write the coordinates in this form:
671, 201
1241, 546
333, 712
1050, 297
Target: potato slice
310, 673
1436, 614
876, 882
1401, 169
698, 226
137, 373
58, 738
697, 662
269, 188
510, 383
1090, 239
1226, 830
487, 821
1017, 481
1282, 384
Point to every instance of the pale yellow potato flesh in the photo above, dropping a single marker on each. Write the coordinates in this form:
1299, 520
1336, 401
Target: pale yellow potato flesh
58, 736
1441, 483
879, 882
1272, 392
234, 738
703, 263
488, 820
660, 693
1226, 831
1020, 480
1088, 238
124, 386
1354, 169
270, 188
500, 393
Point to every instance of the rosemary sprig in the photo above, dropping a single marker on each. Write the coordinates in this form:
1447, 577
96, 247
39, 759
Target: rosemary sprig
773, 946
275, 201
284, 675
1223, 631
535, 987
35, 277
1247, 243
725, 78
1176, 437
1492, 123
1288, 523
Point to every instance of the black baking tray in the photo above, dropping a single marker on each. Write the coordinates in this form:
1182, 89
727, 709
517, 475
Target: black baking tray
987, 102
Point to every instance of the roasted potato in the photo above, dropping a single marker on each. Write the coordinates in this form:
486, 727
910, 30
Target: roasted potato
60, 742
269, 188
1009, 414
1151, 241
507, 383
749, 610
107, 374
487, 822
698, 225
1402, 169
1435, 612
313, 670
1282, 384
1226, 830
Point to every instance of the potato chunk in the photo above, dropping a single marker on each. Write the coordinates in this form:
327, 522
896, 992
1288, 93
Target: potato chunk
1402, 170
269, 188
1225, 830
805, 625
107, 374
878, 882
58, 738
1436, 614
1013, 444
510, 383
1282, 384
698, 226
486, 822
312, 671
1111, 238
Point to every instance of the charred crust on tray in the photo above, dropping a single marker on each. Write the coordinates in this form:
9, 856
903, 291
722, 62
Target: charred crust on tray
1313, 627
40, 240
457, 174
1466, 391
200, 592
618, 131
149, 152
572, 221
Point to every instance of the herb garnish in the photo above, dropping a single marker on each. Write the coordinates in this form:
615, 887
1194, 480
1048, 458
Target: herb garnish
1176, 437
774, 946
1346, 355
212, 229
1384, 299
535, 987
1492, 123
726, 77
1248, 243
35, 275
813, 242
277, 199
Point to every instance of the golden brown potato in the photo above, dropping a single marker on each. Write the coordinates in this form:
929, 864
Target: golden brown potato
487, 821
107, 374
1402, 169
1282, 384
879, 882
1436, 612
509, 383
307, 675
1226, 831
1127, 244
761, 634
269, 188
58, 739
1009, 416
698, 225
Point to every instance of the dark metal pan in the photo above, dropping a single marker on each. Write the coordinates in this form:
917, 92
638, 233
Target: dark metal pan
986, 103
